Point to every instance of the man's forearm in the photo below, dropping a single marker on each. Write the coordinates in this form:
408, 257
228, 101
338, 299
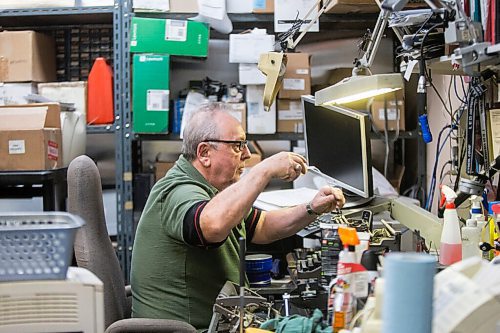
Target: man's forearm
229, 207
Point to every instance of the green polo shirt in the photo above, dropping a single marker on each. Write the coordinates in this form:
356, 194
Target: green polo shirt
171, 279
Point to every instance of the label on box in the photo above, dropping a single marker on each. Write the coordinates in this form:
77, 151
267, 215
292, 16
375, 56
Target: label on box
302, 71
293, 113
392, 114
294, 84
157, 100
52, 150
176, 30
17, 147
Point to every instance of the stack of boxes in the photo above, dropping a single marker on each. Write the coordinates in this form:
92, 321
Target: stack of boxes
30, 134
153, 41
296, 82
245, 49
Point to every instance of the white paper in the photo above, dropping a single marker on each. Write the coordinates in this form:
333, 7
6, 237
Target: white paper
17, 147
247, 48
287, 11
288, 198
250, 74
215, 9
193, 101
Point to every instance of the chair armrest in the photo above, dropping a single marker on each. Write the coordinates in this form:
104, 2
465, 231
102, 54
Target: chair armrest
147, 325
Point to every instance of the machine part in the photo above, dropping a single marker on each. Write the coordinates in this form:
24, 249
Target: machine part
471, 186
416, 218
226, 316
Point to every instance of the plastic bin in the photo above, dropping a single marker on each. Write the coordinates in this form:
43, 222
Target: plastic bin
36, 246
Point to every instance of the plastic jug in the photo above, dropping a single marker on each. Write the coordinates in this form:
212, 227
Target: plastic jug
100, 94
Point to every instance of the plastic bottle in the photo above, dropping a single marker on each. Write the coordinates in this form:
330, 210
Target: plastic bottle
476, 211
344, 302
451, 241
100, 94
471, 237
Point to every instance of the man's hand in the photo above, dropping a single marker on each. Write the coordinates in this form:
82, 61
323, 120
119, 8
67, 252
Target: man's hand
327, 199
286, 166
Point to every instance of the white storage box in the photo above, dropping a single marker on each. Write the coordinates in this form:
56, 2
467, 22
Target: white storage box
258, 120
15, 93
247, 48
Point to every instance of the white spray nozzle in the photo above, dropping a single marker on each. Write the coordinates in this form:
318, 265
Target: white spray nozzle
448, 193
476, 201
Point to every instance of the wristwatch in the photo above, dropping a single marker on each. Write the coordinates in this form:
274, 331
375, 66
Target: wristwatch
310, 211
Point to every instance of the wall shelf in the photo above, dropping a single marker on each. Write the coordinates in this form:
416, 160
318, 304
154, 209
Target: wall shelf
56, 16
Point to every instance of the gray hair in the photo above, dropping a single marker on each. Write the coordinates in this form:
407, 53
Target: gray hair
201, 126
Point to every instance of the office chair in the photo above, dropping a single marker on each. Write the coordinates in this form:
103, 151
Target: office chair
94, 251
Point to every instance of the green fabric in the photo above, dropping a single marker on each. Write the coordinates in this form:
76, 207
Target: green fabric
298, 324
169, 278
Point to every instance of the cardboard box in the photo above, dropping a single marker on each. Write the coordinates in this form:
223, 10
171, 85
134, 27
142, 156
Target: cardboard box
258, 120
290, 116
352, 6
161, 169
239, 111
174, 37
250, 74
150, 93
263, 6
30, 137
297, 79
15, 93
27, 56
247, 48
377, 111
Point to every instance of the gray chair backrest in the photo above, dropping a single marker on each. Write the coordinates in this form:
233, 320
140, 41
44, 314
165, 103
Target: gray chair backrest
93, 248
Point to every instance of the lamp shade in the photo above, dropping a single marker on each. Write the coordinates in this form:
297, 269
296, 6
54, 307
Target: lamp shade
359, 87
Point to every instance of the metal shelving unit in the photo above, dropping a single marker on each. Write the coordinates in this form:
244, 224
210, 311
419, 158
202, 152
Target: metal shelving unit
119, 16
50, 19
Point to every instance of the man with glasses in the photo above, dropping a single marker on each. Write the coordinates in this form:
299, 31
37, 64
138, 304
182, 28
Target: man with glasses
186, 245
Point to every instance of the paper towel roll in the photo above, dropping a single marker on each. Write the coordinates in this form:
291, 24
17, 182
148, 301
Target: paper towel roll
407, 301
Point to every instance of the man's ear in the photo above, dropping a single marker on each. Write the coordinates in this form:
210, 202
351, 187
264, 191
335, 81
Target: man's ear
203, 154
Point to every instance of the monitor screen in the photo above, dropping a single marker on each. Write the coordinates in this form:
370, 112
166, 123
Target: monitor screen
338, 144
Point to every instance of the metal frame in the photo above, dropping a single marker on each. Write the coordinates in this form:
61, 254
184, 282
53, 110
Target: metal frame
122, 12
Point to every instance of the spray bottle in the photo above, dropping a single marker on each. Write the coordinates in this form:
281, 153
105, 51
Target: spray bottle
344, 301
451, 241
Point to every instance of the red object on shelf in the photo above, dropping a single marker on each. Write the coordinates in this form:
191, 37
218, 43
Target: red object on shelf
100, 94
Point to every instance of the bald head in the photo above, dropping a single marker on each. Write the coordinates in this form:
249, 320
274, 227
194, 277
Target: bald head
204, 125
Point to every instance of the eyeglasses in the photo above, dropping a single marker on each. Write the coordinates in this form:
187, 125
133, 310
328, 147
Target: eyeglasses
238, 144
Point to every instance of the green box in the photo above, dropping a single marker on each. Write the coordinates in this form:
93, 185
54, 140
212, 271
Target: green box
150, 93
174, 37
